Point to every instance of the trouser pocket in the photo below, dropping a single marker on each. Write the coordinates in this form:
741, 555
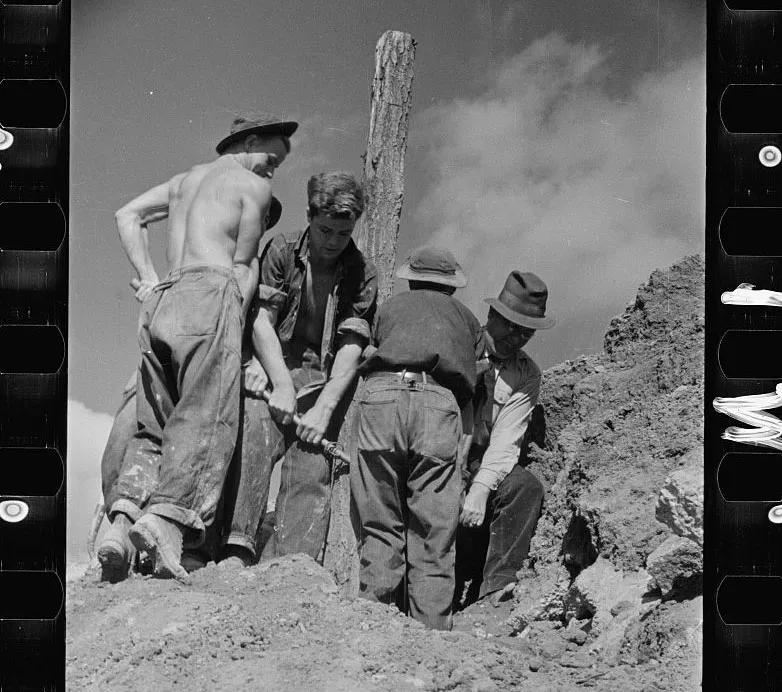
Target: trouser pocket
442, 425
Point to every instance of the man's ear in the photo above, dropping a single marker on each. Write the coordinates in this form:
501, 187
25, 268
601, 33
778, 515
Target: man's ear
309, 215
249, 142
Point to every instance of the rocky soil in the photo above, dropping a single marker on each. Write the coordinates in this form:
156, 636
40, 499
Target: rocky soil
610, 598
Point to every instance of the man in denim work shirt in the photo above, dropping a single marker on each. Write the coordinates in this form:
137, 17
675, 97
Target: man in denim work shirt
405, 485
313, 313
503, 499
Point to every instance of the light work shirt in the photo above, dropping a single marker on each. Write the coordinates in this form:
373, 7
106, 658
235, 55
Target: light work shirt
505, 416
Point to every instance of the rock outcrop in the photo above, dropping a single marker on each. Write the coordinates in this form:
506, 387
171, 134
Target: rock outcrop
618, 442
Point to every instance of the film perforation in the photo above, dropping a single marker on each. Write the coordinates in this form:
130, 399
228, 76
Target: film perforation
743, 462
34, 154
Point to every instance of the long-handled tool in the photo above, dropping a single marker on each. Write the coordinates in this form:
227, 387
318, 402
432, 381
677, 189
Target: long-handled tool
97, 520
331, 449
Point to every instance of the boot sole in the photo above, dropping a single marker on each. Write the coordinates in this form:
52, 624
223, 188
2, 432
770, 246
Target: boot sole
114, 561
166, 565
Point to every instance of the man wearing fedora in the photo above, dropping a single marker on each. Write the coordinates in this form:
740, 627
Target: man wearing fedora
405, 486
503, 499
130, 480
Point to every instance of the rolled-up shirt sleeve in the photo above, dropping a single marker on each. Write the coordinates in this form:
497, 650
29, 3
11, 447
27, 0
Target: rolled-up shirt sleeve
508, 432
359, 317
271, 280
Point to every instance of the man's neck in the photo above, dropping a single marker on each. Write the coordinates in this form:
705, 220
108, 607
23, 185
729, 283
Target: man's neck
500, 360
244, 160
322, 263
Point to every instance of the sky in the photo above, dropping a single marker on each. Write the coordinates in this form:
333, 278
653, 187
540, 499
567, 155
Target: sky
566, 139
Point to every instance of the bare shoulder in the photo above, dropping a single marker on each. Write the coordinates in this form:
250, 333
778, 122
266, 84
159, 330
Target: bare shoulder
175, 183
254, 186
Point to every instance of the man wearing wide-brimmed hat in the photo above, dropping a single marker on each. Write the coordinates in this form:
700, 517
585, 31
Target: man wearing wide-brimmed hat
503, 498
127, 488
405, 486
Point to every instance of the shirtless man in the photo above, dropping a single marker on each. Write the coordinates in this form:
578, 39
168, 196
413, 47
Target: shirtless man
260, 132
190, 333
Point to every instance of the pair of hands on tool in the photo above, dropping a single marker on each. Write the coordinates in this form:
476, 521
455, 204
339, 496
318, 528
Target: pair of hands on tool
310, 427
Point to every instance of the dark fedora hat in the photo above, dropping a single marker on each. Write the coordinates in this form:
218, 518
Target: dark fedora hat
275, 212
523, 301
433, 264
258, 123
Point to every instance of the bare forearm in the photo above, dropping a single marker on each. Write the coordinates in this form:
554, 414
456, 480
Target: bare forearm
343, 373
269, 352
247, 278
134, 242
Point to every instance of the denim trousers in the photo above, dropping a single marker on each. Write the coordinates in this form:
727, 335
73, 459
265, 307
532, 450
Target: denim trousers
303, 507
247, 481
187, 402
405, 491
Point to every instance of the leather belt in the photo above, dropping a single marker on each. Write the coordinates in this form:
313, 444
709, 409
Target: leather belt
405, 376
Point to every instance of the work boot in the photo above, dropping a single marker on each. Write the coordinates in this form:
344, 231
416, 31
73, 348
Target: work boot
193, 560
162, 539
116, 553
236, 557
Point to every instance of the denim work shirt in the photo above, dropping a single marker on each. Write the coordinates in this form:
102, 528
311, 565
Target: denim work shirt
351, 305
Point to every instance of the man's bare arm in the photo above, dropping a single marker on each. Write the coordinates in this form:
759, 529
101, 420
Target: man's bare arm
269, 352
247, 278
313, 424
132, 221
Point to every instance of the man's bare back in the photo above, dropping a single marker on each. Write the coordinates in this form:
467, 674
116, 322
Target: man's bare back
216, 213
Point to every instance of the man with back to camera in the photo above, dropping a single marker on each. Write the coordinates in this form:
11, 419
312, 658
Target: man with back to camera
503, 499
405, 485
190, 335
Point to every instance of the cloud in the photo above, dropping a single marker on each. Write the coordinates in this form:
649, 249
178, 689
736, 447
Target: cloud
88, 431
544, 171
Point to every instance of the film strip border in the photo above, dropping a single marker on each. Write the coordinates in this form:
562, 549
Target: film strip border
34, 156
743, 436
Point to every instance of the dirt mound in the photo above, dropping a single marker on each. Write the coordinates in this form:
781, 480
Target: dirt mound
610, 599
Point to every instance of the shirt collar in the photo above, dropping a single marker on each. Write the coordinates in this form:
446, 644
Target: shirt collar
510, 361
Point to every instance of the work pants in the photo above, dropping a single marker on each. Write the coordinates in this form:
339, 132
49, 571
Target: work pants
405, 495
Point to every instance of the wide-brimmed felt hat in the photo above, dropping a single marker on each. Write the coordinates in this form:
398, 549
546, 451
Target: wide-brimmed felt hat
258, 123
275, 212
433, 264
523, 301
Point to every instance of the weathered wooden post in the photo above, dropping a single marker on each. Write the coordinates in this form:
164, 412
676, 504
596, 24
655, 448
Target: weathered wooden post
376, 235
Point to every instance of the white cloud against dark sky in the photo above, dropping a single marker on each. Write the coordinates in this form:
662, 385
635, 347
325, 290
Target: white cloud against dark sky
545, 172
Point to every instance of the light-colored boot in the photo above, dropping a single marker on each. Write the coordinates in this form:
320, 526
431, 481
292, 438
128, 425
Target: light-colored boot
162, 540
116, 553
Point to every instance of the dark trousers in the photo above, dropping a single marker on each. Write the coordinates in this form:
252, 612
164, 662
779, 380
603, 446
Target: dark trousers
405, 496
490, 555
141, 478
246, 494
187, 403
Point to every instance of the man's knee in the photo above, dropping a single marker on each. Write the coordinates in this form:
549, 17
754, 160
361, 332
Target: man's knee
520, 486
